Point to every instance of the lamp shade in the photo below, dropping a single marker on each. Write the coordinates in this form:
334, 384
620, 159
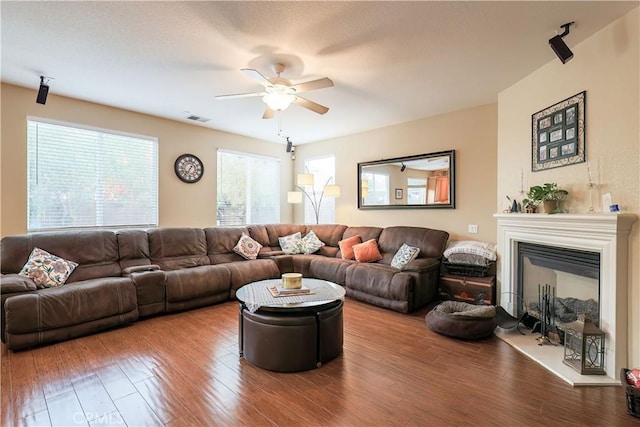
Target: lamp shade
294, 197
332, 190
305, 179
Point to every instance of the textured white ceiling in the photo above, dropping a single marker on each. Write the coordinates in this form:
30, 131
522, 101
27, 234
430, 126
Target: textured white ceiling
391, 62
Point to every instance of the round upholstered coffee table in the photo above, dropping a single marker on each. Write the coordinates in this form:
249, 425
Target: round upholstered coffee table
291, 333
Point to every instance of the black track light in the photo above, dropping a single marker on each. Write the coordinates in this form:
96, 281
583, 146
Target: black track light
559, 46
403, 167
43, 91
289, 145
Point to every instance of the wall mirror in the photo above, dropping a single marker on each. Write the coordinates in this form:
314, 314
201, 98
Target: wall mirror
422, 181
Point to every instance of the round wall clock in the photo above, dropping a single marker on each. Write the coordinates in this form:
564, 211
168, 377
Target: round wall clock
188, 168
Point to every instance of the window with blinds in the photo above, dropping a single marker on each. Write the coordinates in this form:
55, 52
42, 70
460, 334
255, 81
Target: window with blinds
80, 177
377, 188
323, 170
248, 189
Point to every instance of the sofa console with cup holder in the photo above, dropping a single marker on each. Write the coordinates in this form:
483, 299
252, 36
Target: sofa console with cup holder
64, 284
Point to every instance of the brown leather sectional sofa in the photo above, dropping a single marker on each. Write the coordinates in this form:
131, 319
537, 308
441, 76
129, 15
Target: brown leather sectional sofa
129, 274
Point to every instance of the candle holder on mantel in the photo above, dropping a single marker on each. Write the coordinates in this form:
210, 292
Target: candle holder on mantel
592, 186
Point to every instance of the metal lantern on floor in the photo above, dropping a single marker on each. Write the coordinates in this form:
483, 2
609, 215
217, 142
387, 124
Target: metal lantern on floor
584, 346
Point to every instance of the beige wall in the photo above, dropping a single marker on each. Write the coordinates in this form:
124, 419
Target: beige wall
606, 66
180, 204
471, 132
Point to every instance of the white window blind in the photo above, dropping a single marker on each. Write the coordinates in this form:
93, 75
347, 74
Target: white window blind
85, 177
323, 170
378, 188
248, 189
416, 191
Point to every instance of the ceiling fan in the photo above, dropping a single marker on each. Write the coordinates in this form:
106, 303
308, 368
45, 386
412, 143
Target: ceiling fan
279, 93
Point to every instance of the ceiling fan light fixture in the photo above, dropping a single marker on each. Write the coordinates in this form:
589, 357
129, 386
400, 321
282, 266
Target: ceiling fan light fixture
278, 101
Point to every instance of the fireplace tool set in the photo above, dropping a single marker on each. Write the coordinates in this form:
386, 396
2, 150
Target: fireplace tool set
549, 333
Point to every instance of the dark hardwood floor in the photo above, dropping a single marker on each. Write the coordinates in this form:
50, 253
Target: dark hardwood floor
183, 370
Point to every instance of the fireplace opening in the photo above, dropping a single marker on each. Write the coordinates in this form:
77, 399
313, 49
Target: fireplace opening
555, 285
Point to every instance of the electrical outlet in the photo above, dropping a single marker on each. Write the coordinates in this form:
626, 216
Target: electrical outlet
473, 228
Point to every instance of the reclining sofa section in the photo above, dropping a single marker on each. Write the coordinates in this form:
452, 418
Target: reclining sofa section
129, 274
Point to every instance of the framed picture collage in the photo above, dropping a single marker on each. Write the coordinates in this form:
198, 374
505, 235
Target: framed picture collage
558, 134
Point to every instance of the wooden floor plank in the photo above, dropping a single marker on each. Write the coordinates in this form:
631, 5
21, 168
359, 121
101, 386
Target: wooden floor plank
183, 369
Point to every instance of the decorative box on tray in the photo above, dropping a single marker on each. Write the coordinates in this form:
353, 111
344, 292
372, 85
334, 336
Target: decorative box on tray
292, 280
478, 290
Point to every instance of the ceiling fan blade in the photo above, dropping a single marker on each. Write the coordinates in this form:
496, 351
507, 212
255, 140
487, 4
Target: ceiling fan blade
240, 95
313, 85
313, 106
268, 113
258, 76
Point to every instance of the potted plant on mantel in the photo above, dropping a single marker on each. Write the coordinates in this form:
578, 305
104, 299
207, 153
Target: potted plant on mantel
548, 194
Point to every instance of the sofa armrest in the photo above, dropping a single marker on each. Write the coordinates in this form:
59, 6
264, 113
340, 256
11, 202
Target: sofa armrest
139, 268
422, 264
12, 285
15, 283
150, 290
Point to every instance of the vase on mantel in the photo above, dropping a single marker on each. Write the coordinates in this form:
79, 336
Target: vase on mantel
550, 206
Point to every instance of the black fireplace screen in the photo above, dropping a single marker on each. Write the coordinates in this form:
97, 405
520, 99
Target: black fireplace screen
572, 277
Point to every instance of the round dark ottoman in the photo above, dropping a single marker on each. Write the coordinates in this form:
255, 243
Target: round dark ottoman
461, 320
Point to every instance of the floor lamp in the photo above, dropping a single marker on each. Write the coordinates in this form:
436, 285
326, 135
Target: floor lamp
307, 180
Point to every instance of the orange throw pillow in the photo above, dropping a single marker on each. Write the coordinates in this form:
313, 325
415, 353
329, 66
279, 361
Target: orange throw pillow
346, 246
367, 251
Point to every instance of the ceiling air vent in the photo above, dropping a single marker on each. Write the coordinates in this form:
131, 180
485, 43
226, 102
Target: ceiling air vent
198, 118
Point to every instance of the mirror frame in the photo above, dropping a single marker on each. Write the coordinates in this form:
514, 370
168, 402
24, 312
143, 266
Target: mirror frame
452, 181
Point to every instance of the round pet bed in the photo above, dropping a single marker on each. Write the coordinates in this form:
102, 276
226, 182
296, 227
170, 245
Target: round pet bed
461, 320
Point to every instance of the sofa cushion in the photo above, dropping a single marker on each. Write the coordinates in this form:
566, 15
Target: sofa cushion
404, 255
367, 251
346, 247
311, 243
247, 247
275, 231
221, 241
197, 283
177, 248
379, 280
47, 270
98, 257
330, 234
331, 269
431, 242
244, 272
365, 232
291, 244
133, 247
72, 304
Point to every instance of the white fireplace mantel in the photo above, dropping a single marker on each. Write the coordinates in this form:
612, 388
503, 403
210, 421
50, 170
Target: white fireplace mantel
604, 233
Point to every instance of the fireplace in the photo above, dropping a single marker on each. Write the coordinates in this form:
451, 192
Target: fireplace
569, 277
597, 244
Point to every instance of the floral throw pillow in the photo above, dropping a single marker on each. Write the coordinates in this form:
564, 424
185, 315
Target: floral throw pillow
47, 270
291, 244
311, 243
404, 256
247, 247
